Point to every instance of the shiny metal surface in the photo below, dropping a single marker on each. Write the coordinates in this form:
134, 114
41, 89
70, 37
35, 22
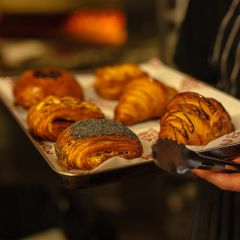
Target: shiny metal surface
174, 157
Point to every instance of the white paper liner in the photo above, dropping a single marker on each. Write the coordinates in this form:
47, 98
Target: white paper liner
146, 131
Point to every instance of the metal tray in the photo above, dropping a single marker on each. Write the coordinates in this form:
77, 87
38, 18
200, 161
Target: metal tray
112, 169
116, 168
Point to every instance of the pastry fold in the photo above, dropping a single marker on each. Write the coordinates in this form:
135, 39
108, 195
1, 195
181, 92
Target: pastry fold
33, 86
47, 119
192, 119
110, 80
86, 144
143, 99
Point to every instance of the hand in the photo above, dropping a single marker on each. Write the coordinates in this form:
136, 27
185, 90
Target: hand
225, 181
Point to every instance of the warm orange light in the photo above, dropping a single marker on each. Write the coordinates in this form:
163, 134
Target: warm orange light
99, 26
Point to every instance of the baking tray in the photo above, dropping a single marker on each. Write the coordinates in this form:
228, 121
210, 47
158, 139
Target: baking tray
111, 170
116, 168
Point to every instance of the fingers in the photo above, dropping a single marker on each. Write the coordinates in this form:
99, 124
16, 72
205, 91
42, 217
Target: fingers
237, 160
224, 181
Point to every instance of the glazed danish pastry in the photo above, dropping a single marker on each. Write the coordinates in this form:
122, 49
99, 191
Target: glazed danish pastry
47, 119
34, 85
192, 119
110, 80
86, 144
143, 99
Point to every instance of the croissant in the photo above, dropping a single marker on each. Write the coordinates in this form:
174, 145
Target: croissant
192, 119
87, 143
33, 86
47, 119
143, 99
110, 80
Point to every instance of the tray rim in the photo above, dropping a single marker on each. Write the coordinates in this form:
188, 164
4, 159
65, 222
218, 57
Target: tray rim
63, 173
172, 73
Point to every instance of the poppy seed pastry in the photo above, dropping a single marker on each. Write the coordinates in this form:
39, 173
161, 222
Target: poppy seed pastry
47, 119
193, 119
33, 86
87, 143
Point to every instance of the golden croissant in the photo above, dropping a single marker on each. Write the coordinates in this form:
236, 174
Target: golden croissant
192, 119
110, 80
143, 99
33, 86
47, 119
87, 143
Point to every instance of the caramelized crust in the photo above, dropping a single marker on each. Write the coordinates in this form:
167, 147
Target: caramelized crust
50, 117
192, 119
86, 144
34, 85
110, 80
143, 99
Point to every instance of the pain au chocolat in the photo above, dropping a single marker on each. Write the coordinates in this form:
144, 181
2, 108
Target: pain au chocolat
110, 80
47, 119
143, 98
33, 86
192, 119
88, 143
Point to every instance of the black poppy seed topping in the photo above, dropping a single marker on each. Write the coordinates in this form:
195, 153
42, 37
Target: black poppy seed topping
99, 127
47, 73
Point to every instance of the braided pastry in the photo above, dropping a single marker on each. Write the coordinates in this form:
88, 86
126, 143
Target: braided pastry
192, 119
47, 119
143, 99
86, 144
34, 85
110, 80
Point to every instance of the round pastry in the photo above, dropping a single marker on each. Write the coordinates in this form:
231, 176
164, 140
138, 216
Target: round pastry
34, 85
47, 119
192, 119
143, 98
110, 80
86, 144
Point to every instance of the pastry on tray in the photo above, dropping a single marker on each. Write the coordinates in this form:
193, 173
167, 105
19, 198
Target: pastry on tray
143, 98
86, 144
192, 119
32, 86
110, 80
47, 119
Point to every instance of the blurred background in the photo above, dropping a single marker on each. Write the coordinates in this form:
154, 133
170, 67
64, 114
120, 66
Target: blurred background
80, 36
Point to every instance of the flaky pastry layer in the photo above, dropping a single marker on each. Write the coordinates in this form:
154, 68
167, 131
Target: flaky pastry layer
86, 144
47, 119
143, 99
110, 80
192, 119
33, 86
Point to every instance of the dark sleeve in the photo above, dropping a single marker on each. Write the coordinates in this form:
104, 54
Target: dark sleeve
197, 36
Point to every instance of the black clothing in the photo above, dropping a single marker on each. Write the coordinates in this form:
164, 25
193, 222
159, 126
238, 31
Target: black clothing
204, 21
208, 49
